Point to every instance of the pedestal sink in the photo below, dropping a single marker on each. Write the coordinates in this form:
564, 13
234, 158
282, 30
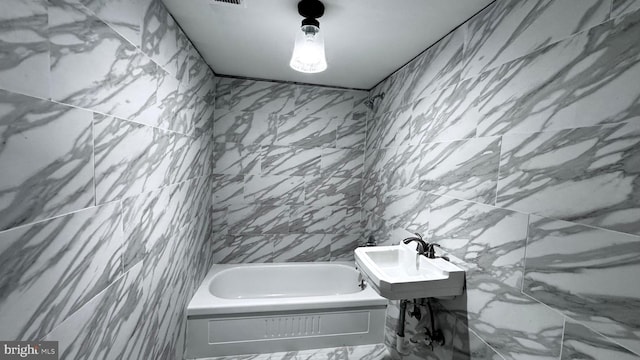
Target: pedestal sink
399, 272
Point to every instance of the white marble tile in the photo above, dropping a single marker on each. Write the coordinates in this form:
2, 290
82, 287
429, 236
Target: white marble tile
325, 219
117, 78
621, 7
152, 219
346, 163
262, 96
245, 249
46, 159
579, 342
549, 173
24, 50
326, 191
247, 128
258, 219
292, 161
466, 169
585, 80
302, 247
468, 346
51, 269
343, 246
161, 37
228, 189
589, 274
307, 132
274, 190
124, 16
509, 29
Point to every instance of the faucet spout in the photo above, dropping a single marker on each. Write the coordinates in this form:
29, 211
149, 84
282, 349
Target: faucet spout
422, 246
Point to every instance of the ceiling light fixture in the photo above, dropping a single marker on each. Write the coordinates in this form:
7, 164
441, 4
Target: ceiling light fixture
308, 51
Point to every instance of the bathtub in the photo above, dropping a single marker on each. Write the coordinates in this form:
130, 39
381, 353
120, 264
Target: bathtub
264, 308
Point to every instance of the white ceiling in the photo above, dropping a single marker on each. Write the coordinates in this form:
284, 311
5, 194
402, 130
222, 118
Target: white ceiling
365, 40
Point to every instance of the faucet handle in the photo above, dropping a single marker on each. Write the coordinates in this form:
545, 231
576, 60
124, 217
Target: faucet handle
431, 251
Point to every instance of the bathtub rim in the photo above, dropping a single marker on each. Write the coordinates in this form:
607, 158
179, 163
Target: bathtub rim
203, 303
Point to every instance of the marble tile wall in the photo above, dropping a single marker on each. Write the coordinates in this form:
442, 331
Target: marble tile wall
106, 120
287, 171
513, 144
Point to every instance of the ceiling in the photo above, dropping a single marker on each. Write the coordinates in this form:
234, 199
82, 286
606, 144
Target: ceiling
365, 40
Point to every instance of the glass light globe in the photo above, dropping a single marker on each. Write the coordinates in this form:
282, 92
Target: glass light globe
308, 51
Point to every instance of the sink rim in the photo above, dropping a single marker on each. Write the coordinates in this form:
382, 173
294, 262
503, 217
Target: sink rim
446, 280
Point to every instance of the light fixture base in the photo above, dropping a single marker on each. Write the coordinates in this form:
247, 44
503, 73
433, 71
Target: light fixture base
311, 9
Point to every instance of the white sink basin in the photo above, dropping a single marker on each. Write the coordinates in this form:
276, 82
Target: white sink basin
398, 272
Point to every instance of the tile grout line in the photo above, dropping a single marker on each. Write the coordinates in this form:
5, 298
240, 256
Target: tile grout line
606, 337
564, 327
524, 255
485, 342
93, 153
495, 200
526, 213
99, 205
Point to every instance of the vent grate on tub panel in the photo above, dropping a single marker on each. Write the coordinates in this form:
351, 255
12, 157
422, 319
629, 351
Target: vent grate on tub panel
287, 326
233, 3
293, 326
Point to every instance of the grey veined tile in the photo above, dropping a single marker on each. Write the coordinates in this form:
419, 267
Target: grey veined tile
466, 169
258, 219
350, 134
579, 342
408, 209
245, 249
342, 162
293, 161
47, 159
327, 103
516, 326
438, 67
468, 346
244, 127
161, 37
585, 80
24, 51
125, 16
325, 219
132, 158
302, 247
491, 238
308, 131
117, 78
509, 29
234, 159
621, 7
51, 269
262, 96
227, 189
324, 190
274, 190
586, 175
446, 115
589, 274
154, 219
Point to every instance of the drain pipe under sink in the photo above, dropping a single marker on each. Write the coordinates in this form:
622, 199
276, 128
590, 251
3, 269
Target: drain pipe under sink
401, 346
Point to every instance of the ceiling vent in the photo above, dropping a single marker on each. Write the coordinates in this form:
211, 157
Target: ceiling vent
234, 3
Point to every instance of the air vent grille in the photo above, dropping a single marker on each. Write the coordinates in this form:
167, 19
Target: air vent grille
229, 2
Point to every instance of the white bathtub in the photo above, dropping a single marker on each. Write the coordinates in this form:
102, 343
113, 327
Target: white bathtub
263, 308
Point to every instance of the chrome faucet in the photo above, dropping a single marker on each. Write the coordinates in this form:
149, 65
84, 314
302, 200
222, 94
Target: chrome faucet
422, 246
